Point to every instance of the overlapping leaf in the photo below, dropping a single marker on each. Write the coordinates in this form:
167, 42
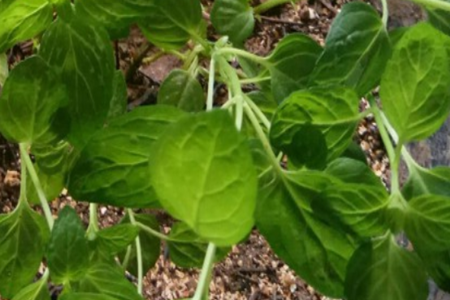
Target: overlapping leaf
86, 296
119, 101
204, 176
440, 19
423, 181
115, 239
36, 291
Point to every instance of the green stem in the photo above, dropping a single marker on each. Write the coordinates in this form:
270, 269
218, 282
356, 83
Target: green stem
268, 5
210, 97
384, 134
206, 271
37, 185
126, 259
138, 253
242, 53
255, 80
258, 112
153, 232
385, 16
434, 4
92, 229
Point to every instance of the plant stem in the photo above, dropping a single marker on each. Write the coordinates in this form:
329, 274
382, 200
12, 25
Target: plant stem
384, 134
434, 4
254, 80
210, 97
268, 5
138, 253
93, 221
239, 52
385, 16
37, 185
126, 259
206, 271
262, 117
136, 63
153, 232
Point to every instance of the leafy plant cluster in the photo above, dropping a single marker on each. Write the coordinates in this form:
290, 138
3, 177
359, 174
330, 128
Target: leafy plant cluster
217, 169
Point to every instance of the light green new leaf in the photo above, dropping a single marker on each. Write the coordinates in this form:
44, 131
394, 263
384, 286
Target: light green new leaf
414, 88
84, 55
172, 23
427, 222
233, 18
115, 239
187, 250
22, 20
427, 181
182, 90
204, 176
334, 111
30, 101
67, 253
22, 242
113, 167
291, 63
356, 50
35, 291
383, 270
86, 296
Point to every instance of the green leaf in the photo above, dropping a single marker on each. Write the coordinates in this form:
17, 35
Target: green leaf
233, 18
52, 185
218, 197
438, 266
22, 20
333, 111
291, 64
355, 152
150, 244
22, 242
414, 88
182, 90
440, 19
172, 23
115, 239
85, 60
356, 50
86, 296
67, 252
266, 104
187, 250
427, 222
317, 252
383, 270
35, 291
108, 280
30, 101
119, 101
353, 171
113, 167
427, 181
3, 69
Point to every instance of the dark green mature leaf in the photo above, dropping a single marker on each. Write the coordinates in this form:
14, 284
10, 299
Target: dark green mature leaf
383, 270
440, 19
291, 63
233, 18
119, 101
86, 296
427, 222
356, 50
115, 239
204, 176
187, 250
353, 171
334, 111
182, 90
425, 181
84, 55
52, 185
150, 244
414, 88
4, 71
22, 20
52, 158
35, 291
172, 23
22, 242
438, 266
67, 252
113, 167
109, 280
317, 252
308, 148
30, 101
355, 152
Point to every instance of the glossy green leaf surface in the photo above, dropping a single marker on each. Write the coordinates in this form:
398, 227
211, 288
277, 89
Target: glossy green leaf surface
115, 239
67, 253
36, 291
188, 250
22, 20
84, 56
22, 242
383, 270
291, 63
182, 90
218, 197
414, 88
233, 18
333, 111
356, 50
113, 167
427, 181
29, 103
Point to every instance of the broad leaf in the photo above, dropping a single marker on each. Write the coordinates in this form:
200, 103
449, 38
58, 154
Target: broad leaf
35, 291
291, 64
22, 242
22, 20
3, 69
172, 23
86, 296
427, 222
67, 252
233, 18
182, 90
187, 250
204, 176
356, 50
85, 59
440, 19
333, 111
113, 167
414, 88
30, 101
438, 266
355, 152
115, 239
427, 181
150, 244
52, 185
383, 270
119, 101
353, 171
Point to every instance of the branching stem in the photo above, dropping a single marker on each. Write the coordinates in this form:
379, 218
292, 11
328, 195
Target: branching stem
138, 253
